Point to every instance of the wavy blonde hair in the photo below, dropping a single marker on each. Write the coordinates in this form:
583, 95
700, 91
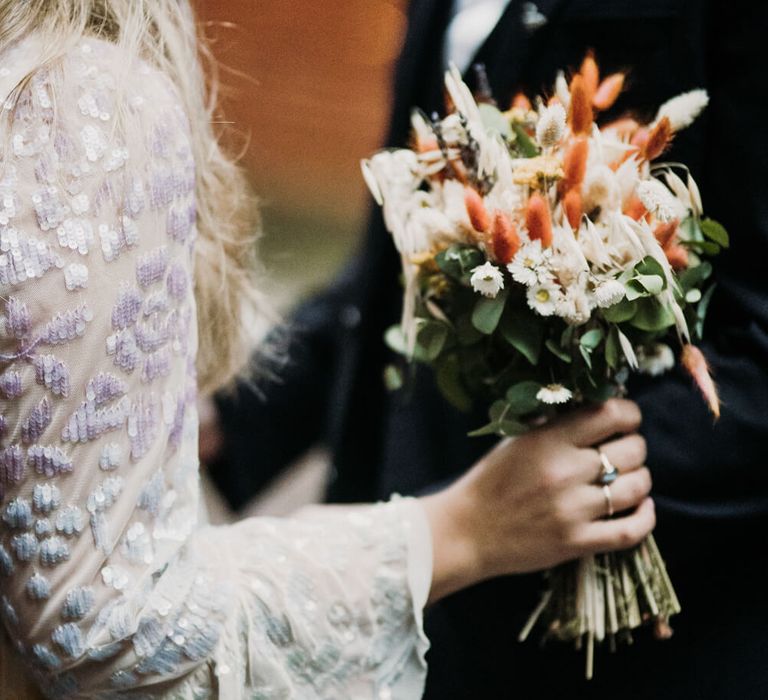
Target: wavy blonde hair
164, 33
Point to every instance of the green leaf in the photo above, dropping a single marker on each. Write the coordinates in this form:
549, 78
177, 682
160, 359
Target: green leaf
512, 428
591, 339
395, 340
650, 266
448, 377
701, 311
694, 277
643, 286
612, 349
498, 410
704, 247
430, 340
459, 261
494, 120
524, 333
393, 378
466, 333
521, 398
524, 143
488, 429
586, 353
556, 350
618, 313
652, 316
487, 313
715, 231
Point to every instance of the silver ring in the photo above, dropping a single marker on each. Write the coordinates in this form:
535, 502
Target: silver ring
608, 499
608, 472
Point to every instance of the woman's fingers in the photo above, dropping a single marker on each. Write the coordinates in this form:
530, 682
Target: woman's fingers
626, 453
591, 426
628, 491
618, 533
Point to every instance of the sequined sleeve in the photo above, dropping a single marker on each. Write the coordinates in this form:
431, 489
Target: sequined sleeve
109, 586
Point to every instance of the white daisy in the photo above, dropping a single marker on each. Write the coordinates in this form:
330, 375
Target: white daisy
609, 293
543, 298
527, 265
487, 280
554, 394
655, 360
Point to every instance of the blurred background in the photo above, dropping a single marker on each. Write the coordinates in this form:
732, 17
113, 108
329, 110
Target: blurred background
305, 94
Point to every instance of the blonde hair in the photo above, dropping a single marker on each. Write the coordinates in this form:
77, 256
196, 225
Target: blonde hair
164, 33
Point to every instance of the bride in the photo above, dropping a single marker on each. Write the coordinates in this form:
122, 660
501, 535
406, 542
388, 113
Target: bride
125, 286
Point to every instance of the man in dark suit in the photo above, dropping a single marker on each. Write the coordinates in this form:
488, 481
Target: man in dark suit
711, 481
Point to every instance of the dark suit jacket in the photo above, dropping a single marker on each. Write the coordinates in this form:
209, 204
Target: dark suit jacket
711, 481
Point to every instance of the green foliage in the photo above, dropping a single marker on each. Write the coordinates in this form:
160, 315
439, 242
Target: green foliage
558, 351
651, 315
618, 313
487, 313
524, 143
524, 332
448, 377
715, 232
494, 121
458, 262
521, 397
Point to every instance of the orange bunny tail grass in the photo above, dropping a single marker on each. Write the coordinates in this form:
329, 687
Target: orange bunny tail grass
696, 364
624, 128
538, 220
635, 209
677, 257
573, 208
608, 91
659, 139
665, 233
590, 72
575, 163
580, 116
520, 101
478, 215
504, 238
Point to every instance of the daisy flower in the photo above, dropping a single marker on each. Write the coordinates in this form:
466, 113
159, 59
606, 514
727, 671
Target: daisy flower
554, 394
543, 298
526, 267
487, 280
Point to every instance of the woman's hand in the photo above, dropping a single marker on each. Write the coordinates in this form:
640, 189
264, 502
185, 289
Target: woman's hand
534, 502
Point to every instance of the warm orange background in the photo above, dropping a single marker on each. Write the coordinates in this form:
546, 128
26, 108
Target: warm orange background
307, 84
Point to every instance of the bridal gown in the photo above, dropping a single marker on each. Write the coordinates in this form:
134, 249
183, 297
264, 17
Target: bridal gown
110, 586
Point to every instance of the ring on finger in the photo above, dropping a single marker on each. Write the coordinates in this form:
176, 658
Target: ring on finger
608, 499
608, 471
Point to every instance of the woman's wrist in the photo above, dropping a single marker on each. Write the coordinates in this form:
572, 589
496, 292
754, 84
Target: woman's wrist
455, 546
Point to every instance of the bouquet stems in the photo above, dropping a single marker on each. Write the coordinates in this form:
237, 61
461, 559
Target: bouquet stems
604, 598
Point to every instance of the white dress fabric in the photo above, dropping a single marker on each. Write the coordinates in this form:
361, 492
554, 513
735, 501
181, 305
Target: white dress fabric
109, 585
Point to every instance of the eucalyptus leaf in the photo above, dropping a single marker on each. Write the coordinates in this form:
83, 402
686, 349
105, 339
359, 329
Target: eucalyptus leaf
715, 231
521, 398
650, 266
525, 144
618, 313
487, 313
705, 247
466, 333
591, 339
612, 349
652, 316
643, 286
488, 429
701, 311
458, 261
586, 354
512, 428
524, 333
494, 120
694, 277
395, 340
448, 377
556, 350
393, 378
430, 340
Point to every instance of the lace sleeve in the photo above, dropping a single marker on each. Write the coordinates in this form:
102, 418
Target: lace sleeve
107, 585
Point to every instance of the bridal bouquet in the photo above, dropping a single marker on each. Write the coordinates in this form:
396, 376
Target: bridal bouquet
546, 255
